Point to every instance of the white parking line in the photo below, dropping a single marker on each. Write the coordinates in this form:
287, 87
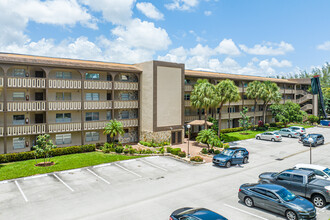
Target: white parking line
128, 170
3, 182
325, 208
98, 176
19, 188
36, 176
102, 165
153, 165
245, 212
127, 161
71, 171
63, 182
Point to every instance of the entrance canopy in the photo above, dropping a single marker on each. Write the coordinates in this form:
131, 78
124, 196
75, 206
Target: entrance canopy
200, 123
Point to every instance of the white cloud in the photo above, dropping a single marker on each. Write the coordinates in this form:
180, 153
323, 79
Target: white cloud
201, 50
182, 5
324, 46
227, 46
149, 10
268, 48
207, 13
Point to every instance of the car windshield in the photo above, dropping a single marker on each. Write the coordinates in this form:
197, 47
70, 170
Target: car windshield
311, 136
327, 171
228, 152
311, 177
276, 132
286, 195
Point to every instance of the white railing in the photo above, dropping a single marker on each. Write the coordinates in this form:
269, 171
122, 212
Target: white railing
26, 82
301, 92
64, 127
64, 84
187, 103
97, 105
126, 104
307, 107
95, 125
90, 84
281, 90
26, 129
1, 82
65, 105
26, 106
126, 85
129, 122
192, 118
289, 91
248, 102
1, 131
188, 88
305, 98
1, 106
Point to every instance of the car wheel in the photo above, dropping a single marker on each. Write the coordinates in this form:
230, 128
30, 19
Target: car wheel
246, 160
290, 136
258, 138
228, 164
248, 202
273, 139
291, 215
322, 142
318, 201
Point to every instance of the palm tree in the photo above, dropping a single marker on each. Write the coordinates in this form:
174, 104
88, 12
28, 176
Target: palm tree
270, 93
202, 96
254, 91
225, 91
113, 128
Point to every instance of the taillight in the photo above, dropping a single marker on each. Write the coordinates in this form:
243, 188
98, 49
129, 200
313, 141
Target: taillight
302, 131
295, 133
277, 136
239, 190
171, 218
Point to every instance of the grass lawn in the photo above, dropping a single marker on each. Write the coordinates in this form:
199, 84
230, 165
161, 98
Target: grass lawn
66, 162
302, 125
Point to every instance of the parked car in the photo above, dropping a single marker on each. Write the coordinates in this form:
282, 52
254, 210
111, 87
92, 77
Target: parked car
320, 171
276, 199
317, 139
230, 156
300, 130
301, 182
188, 213
270, 136
287, 132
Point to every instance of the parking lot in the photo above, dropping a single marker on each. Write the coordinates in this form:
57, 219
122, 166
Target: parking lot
152, 187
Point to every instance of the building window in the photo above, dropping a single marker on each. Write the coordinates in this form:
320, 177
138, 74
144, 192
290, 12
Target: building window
63, 117
244, 97
18, 119
124, 96
109, 77
92, 76
187, 111
252, 109
203, 112
63, 139
124, 77
92, 136
19, 72
109, 115
63, 96
186, 96
19, 143
261, 108
92, 116
63, 75
19, 96
125, 115
109, 97
92, 96
231, 109
245, 84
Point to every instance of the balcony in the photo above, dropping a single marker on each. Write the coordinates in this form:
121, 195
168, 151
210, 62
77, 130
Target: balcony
17, 82
1, 131
91, 84
187, 103
281, 90
26, 106
188, 88
1, 106
14, 130
64, 105
301, 92
126, 104
289, 91
126, 86
95, 125
129, 122
249, 102
89, 105
64, 127
64, 84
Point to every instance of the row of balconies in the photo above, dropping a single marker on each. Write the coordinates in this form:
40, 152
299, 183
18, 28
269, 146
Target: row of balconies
14, 130
16, 82
224, 115
25, 106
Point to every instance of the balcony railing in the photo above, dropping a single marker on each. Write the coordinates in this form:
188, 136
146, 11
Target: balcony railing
126, 85
14, 130
97, 105
126, 104
188, 88
289, 91
64, 105
129, 122
1, 82
305, 98
19, 82
64, 84
301, 92
95, 125
307, 107
92, 84
187, 103
1, 106
1, 131
64, 127
26, 106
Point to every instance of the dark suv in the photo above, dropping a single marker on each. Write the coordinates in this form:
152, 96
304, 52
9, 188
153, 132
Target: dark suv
317, 139
229, 156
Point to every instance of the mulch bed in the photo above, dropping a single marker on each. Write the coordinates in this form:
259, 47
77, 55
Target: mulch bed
44, 164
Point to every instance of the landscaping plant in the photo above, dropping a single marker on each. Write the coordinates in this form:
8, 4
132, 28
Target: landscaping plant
43, 147
245, 121
113, 128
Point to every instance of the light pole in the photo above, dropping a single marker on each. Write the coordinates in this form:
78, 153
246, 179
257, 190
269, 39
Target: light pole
310, 140
188, 126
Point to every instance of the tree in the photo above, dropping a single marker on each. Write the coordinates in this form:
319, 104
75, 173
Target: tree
288, 112
208, 137
44, 146
254, 91
245, 121
202, 96
225, 91
312, 119
270, 93
113, 128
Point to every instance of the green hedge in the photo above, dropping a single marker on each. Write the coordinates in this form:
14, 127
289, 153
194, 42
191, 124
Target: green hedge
228, 130
12, 157
175, 151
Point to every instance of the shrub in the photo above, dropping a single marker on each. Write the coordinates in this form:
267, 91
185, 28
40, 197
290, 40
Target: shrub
211, 151
273, 124
119, 149
196, 159
226, 145
260, 123
204, 151
126, 151
162, 150
228, 130
132, 151
148, 151
168, 149
312, 119
216, 152
182, 154
175, 151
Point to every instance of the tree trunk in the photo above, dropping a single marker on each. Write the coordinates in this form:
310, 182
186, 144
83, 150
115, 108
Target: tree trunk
219, 121
205, 113
229, 113
254, 114
265, 110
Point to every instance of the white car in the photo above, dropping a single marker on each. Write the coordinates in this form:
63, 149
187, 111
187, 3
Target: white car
299, 130
320, 171
270, 136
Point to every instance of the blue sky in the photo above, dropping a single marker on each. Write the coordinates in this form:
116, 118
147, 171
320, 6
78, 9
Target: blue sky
254, 37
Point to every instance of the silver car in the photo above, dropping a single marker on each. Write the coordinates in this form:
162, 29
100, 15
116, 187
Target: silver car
287, 132
299, 130
270, 136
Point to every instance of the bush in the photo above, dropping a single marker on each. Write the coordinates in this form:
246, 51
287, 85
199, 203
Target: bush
162, 150
229, 130
168, 149
196, 159
182, 154
273, 124
204, 151
226, 145
119, 149
211, 151
216, 152
126, 151
312, 119
279, 124
175, 151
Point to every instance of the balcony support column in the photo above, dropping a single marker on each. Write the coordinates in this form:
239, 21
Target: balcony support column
82, 106
5, 83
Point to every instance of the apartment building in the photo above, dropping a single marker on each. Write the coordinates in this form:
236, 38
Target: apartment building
72, 100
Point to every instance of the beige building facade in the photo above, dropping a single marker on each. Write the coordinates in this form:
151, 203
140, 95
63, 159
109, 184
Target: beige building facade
72, 100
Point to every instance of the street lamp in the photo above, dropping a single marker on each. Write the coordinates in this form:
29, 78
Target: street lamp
310, 140
188, 126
